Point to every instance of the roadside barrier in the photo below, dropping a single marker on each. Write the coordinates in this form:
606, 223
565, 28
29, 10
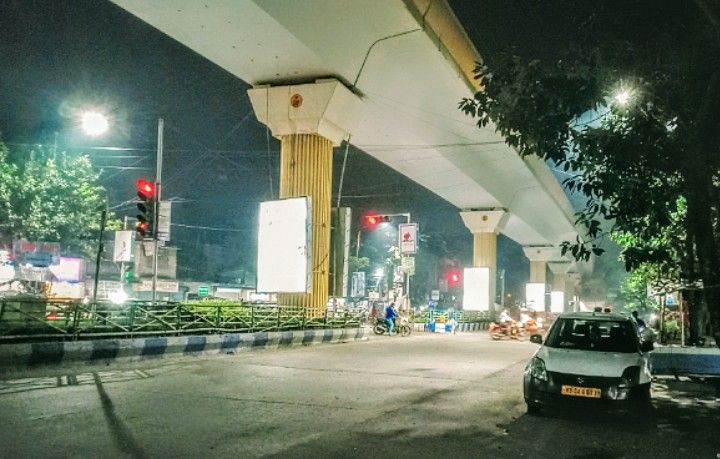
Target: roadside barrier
26, 320
22, 355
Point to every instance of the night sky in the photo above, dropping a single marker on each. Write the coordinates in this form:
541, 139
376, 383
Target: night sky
61, 56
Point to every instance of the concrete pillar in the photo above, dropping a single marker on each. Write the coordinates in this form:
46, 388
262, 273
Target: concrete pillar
539, 257
572, 287
559, 271
309, 119
485, 226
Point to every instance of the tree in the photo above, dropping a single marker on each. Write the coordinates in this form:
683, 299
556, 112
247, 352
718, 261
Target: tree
51, 198
631, 114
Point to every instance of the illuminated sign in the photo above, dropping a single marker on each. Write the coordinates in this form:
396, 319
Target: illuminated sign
476, 289
284, 245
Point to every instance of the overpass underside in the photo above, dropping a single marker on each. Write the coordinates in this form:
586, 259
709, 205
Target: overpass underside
403, 66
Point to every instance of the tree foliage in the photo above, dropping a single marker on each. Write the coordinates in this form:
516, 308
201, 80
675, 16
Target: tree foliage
630, 114
51, 198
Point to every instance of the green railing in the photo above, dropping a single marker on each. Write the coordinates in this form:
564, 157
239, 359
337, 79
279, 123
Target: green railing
33, 319
459, 316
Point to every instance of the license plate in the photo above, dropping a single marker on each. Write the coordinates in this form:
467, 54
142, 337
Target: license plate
575, 391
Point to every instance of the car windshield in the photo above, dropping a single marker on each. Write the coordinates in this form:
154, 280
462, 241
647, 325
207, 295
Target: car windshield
593, 335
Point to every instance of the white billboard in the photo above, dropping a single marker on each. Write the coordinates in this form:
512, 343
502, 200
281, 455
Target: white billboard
284, 246
407, 237
476, 289
122, 250
535, 296
557, 301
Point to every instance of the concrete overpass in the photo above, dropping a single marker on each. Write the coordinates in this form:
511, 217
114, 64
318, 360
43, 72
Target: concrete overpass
388, 75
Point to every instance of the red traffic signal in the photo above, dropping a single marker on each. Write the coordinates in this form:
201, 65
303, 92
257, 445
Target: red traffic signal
454, 278
146, 189
146, 208
372, 220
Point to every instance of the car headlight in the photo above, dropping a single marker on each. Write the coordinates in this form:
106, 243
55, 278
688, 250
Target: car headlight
537, 369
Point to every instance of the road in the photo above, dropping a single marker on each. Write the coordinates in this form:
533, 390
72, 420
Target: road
423, 396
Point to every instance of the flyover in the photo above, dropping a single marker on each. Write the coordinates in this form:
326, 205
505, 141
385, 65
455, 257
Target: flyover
387, 75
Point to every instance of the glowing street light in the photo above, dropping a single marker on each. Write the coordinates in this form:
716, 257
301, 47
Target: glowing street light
622, 97
94, 123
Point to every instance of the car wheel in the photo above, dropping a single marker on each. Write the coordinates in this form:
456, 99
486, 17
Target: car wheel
533, 409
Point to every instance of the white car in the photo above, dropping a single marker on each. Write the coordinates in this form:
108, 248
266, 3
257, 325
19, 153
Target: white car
588, 356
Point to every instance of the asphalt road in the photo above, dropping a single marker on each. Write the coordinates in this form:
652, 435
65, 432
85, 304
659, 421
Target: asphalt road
423, 396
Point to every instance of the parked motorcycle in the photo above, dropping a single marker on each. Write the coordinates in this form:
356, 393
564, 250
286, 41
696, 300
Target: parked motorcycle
403, 329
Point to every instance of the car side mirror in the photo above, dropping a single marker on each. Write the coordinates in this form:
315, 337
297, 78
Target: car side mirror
537, 339
646, 346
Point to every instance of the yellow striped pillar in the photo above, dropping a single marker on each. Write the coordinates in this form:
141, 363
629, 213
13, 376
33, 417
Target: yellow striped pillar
309, 119
306, 170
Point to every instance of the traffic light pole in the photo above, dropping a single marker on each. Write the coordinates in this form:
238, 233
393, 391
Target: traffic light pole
158, 190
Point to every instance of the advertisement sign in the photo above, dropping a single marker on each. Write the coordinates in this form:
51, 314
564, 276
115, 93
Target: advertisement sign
535, 296
160, 286
557, 301
122, 250
476, 289
407, 234
70, 269
358, 284
284, 246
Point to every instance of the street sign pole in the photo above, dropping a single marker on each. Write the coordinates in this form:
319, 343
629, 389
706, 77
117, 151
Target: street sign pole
158, 178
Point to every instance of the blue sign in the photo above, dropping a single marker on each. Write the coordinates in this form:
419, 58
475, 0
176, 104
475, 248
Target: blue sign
39, 259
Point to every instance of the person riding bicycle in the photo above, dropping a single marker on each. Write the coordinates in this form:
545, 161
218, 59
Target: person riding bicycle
390, 314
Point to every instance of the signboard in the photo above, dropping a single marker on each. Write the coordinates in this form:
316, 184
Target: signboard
160, 286
434, 295
476, 289
284, 246
408, 265
69, 269
163, 223
122, 251
535, 296
557, 301
203, 290
358, 285
407, 234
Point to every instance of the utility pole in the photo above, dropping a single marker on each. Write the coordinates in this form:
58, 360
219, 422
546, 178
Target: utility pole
103, 217
158, 189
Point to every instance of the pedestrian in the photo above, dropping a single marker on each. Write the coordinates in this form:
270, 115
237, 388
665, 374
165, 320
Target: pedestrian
390, 314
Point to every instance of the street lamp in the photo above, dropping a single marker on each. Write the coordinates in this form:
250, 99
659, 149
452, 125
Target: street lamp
94, 123
622, 97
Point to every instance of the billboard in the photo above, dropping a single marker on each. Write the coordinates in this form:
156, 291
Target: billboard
557, 301
407, 237
476, 289
284, 246
535, 296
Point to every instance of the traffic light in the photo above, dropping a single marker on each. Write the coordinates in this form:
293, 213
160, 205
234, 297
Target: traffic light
146, 207
373, 220
454, 278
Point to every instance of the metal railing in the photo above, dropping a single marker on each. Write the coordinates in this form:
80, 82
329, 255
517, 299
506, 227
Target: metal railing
33, 319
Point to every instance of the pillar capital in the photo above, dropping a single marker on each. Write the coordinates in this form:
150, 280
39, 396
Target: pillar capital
559, 267
485, 221
326, 108
544, 253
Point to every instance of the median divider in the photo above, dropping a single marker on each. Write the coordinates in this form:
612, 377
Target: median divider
23, 355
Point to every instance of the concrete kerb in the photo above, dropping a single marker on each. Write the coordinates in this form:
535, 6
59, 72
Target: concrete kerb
130, 349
